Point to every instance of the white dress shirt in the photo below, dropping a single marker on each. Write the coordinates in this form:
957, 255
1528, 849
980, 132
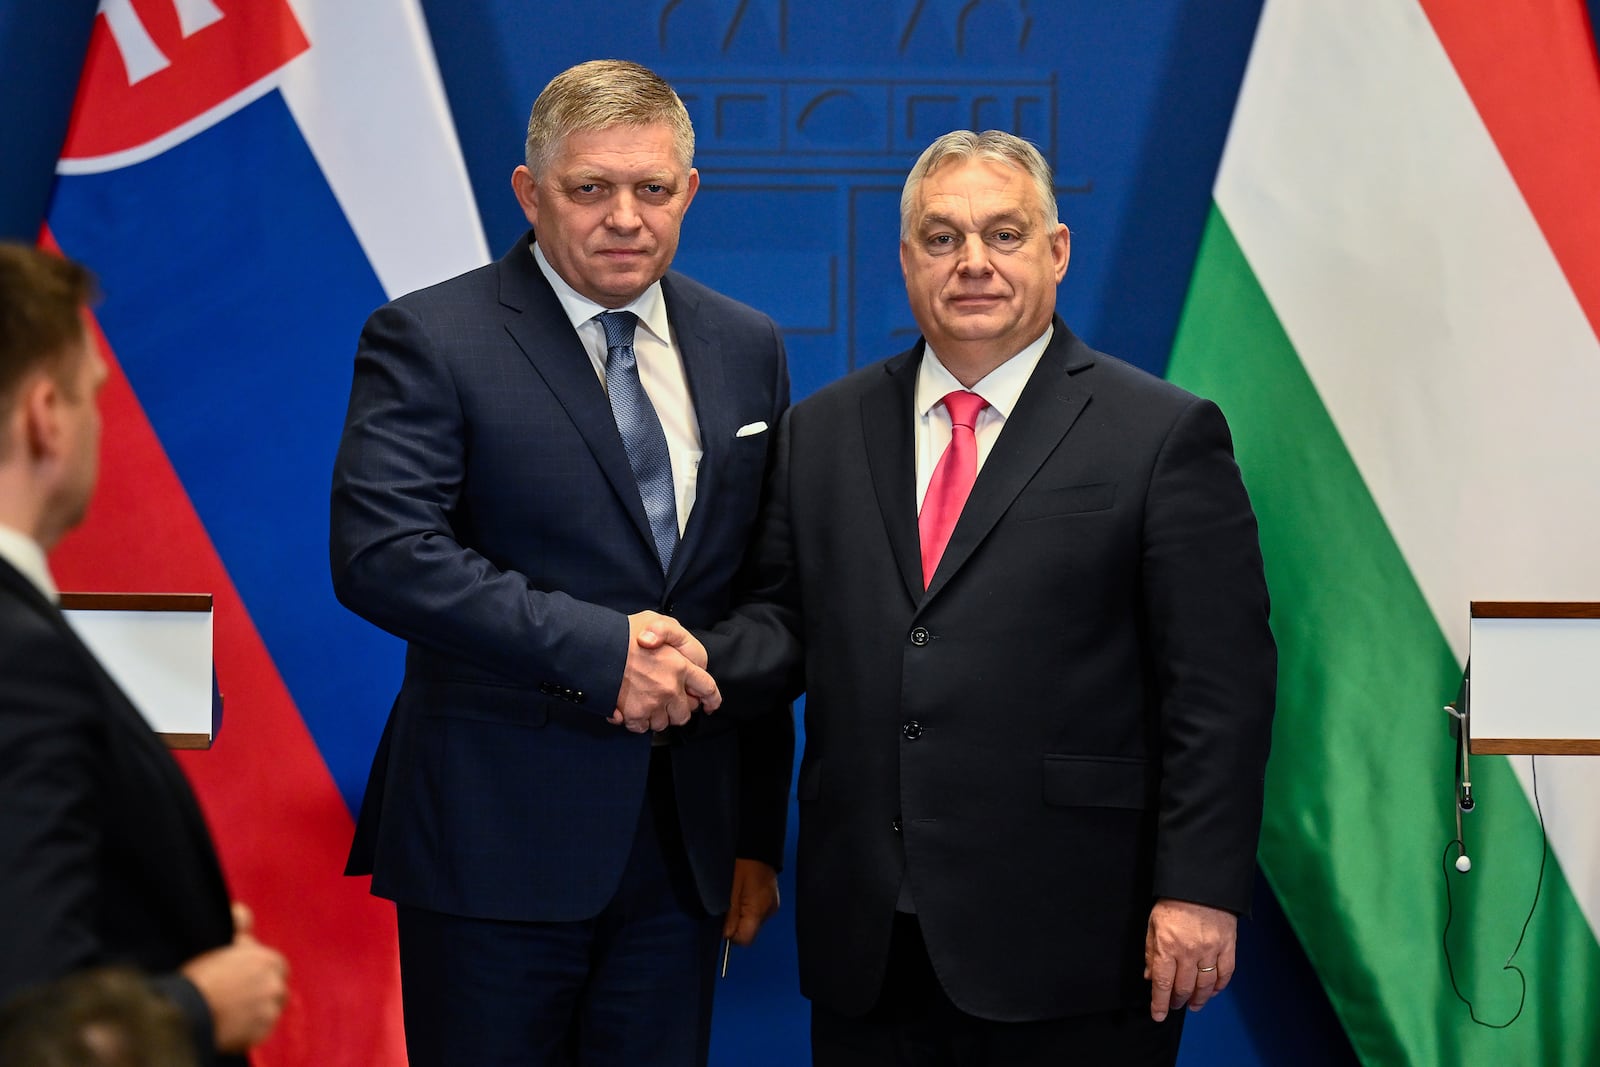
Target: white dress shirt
660, 372
1000, 387
24, 553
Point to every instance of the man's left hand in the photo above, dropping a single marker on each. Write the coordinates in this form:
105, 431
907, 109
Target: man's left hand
1188, 954
754, 900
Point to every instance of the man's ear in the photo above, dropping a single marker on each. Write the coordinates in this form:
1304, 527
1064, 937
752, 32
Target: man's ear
39, 400
525, 188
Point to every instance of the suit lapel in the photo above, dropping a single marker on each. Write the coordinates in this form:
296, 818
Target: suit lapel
548, 341
889, 431
1050, 403
699, 342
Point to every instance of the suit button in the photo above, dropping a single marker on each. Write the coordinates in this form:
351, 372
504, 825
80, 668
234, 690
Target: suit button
896, 825
911, 730
920, 636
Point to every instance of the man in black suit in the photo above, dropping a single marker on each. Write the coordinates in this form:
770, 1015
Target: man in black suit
1021, 585
539, 456
104, 855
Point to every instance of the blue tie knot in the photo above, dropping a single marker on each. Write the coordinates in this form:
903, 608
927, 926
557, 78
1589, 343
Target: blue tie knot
618, 326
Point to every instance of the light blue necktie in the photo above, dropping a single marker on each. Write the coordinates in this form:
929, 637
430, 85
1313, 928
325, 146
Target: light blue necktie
642, 436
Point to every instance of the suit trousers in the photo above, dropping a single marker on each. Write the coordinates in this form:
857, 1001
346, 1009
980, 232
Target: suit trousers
630, 986
914, 1024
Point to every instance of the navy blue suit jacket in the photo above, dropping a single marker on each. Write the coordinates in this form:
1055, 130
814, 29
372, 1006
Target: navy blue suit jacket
1069, 722
483, 509
104, 855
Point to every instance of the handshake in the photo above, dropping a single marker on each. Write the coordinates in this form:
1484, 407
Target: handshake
665, 678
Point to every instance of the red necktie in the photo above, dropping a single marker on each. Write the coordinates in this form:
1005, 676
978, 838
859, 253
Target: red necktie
952, 479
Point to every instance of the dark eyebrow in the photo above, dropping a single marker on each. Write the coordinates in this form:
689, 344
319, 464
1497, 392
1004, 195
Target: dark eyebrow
590, 176
1008, 219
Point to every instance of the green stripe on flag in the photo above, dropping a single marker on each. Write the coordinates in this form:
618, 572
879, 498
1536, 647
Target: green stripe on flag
1360, 783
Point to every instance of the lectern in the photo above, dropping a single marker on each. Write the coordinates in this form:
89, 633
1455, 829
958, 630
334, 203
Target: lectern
157, 647
1532, 684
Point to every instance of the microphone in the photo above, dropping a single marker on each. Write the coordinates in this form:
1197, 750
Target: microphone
1461, 726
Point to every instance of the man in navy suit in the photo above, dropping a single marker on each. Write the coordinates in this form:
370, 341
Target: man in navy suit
1021, 583
104, 856
540, 456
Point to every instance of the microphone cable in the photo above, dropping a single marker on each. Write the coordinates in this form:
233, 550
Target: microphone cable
1460, 847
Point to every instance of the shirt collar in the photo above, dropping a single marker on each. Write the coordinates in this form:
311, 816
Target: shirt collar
1001, 387
650, 306
24, 553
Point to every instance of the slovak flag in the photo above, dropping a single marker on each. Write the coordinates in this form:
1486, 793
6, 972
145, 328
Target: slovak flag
250, 178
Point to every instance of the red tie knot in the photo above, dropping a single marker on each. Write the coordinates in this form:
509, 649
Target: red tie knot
964, 407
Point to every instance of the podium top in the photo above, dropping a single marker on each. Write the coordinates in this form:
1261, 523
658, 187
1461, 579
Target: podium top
135, 601
1535, 609
157, 646
1532, 689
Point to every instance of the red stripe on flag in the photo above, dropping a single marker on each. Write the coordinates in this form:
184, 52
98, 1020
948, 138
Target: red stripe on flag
1532, 72
280, 824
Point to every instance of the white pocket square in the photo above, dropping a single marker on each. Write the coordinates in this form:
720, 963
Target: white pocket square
750, 429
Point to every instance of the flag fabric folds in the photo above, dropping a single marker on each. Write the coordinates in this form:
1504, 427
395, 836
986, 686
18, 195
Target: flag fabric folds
1396, 302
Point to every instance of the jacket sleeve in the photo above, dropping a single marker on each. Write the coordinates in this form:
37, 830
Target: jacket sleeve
395, 554
1205, 599
766, 764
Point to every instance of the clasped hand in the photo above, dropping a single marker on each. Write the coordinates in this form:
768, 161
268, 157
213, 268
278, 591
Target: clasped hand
665, 678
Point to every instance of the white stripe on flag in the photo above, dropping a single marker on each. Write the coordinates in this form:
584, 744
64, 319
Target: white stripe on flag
369, 100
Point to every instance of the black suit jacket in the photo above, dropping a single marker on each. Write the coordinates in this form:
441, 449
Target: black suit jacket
484, 510
1070, 722
104, 855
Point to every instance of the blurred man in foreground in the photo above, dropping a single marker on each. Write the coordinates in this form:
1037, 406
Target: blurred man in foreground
104, 855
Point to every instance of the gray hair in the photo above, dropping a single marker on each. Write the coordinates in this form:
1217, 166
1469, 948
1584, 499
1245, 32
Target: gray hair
598, 95
993, 146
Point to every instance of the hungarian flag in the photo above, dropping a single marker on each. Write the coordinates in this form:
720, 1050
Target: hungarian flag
1396, 302
249, 178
